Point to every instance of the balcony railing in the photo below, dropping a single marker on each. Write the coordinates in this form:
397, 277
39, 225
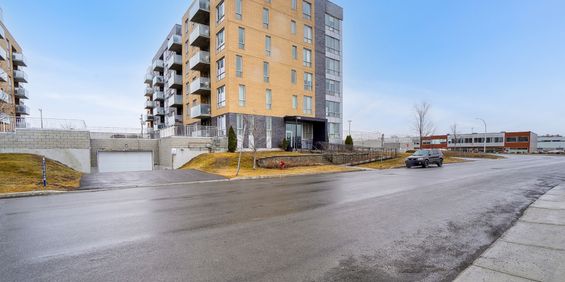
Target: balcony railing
148, 117
4, 97
174, 120
175, 100
149, 91
200, 35
21, 93
200, 86
149, 104
200, 61
159, 95
199, 11
158, 80
3, 75
22, 109
20, 76
175, 43
174, 81
19, 59
160, 111
174, 61
157, 65
149, 78
200, 111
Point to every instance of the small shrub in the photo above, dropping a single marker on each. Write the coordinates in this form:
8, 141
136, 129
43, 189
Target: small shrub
284, 144
232, 140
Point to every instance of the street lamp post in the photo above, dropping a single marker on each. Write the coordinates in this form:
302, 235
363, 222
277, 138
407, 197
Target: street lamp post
485, 138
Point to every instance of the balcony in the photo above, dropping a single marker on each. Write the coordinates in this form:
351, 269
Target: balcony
158, 80
174, 61
199, 11
200, 111
200, 36
20, 76
149, 78
174, 80
148, 117
3, 75
157, 65
19, 60
175, 43
3, 54
5, 97
174, 101
148, 92
21, 93
158, 96
173, 119
22, 110
149, 104
159, 111
200, 86
200, 61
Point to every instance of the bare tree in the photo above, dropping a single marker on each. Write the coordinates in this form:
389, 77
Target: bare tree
455, 134
422, 123
251, 128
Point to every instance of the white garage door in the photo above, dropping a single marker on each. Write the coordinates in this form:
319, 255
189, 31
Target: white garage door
124, 161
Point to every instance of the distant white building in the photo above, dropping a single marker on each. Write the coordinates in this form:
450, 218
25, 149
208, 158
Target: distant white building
551, 144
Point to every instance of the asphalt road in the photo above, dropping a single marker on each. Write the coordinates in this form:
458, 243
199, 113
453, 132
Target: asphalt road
402, 225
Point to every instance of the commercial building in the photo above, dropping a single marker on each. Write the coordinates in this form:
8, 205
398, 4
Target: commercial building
269, 69
551, 144
12, 77
164, 85
499, 142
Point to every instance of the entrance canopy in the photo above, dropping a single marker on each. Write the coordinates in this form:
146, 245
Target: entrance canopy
305, 132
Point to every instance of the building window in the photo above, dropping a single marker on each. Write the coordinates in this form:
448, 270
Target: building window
523, 139
268, 99
332, 23
241, 37
221, 95
239, 126
333, 45
266, 71
294, 102
265, 18
308, 81
242, 95
220, 12
334, 131
333, 109
221, 124
293, 27
269, 131
220, 40
333, 87
267, 45
238, 66
294, 51
293, 4
306, 10
307, 56
307, 34
238, 9
332, 67
307, 107
221, 68
293, 76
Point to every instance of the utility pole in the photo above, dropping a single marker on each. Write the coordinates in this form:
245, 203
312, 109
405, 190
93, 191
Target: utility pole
41, 117
485, 138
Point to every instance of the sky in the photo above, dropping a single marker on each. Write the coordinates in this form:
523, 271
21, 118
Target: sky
502, 61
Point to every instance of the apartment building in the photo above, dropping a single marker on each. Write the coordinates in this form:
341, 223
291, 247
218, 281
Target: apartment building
551, 144
164, 86
498, 142
12, 77
269, 69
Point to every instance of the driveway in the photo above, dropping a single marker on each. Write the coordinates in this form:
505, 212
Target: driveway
394, 225
143, 178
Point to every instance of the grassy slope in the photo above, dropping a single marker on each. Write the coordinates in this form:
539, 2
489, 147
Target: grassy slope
399, 162
22, 172
225, 164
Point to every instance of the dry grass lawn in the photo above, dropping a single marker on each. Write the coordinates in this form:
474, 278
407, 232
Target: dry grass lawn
398, 162
225, 164
22, 173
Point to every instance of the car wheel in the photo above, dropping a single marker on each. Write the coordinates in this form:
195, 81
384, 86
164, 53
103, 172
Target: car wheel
408, 166
440, 163
426, 164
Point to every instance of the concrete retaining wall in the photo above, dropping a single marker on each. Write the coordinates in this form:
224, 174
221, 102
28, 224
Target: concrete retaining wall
292, 161
71, 148
185, 149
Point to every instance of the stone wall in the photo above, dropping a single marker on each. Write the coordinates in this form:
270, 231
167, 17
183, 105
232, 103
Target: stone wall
292, 161
71, 148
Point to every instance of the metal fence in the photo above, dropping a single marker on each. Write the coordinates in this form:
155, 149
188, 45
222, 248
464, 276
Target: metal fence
190, 131
350, 154
13, 123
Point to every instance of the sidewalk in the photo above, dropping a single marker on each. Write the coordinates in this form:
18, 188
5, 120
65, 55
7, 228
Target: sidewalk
532, 250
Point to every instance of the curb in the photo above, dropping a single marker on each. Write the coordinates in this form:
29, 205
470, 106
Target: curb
31, 194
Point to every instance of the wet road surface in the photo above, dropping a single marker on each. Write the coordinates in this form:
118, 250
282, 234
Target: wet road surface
110, 180
402, 225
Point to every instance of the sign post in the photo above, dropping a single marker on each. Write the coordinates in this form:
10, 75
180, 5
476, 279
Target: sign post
44, 170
